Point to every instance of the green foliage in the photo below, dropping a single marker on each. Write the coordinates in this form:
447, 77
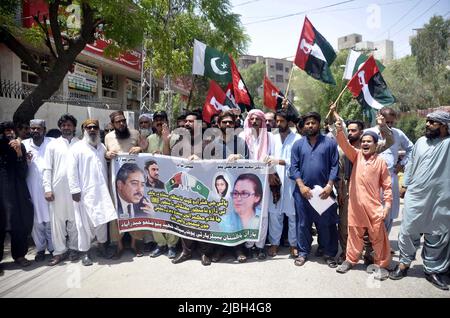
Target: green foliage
254, 78
432, 52
409, 89
171, 27
412, 125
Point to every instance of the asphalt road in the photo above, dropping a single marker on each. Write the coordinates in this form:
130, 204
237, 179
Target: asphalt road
158, 277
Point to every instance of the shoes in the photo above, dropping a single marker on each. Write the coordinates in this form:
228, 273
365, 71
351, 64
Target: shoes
86, 260
150, 246
261, 253
272, 251
344, 267
341, 259
398, 273
137, 250
118, 254
172, 253
22, 261
319, 252
381, 274
331, 262
158, 251
436, 280
102, 251
217, 255
74, 255
181, 258
240, 255
40, 256
300, 261
293, 251
206, 261
56, 259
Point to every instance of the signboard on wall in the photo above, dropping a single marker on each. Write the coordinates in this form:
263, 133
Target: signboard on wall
83, 78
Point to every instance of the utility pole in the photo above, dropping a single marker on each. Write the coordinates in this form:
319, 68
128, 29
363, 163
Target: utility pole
146, 95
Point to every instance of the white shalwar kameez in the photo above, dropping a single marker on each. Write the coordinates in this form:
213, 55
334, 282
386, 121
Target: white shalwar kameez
61, 209
286, 204
41, 226
87, 175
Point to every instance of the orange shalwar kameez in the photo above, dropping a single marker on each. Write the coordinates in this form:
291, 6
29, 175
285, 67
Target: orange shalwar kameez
365, 209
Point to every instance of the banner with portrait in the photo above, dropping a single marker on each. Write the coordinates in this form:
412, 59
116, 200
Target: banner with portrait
206, 200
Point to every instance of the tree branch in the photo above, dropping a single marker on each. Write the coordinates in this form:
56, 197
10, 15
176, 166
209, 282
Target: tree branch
56, 30
45, 30
14, 45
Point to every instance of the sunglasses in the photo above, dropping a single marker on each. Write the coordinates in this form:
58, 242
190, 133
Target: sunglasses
108, 130
92, 127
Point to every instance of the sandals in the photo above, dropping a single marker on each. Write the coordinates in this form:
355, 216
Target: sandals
22, 261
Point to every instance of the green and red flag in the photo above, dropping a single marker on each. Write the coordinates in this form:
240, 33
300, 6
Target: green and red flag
369, 87
241, 94
272, 95
273, 99
174, 182
314, 54
355, 61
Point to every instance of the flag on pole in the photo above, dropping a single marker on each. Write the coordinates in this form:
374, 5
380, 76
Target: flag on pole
215, 102
355, 60
272, 95
273, 99
314, 54
369, 87
211, 63
241, 93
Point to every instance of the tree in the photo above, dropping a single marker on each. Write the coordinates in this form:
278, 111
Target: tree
254, 78
431, 49
64, 38
171, 27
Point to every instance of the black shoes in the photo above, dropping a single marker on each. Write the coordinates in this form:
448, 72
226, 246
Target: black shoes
398, 273
436, 280
331, 262
261, 253
40, 256
172, 253
181, 258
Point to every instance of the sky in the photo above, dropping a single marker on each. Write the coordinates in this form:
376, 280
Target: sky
273, 35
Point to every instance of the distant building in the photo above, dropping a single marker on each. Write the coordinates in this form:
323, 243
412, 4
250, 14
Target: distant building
349, 41
381, 50
277, 70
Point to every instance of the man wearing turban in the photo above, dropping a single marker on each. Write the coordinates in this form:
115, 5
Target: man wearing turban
427, 201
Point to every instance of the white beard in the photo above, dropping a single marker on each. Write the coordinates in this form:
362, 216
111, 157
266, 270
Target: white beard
87, 139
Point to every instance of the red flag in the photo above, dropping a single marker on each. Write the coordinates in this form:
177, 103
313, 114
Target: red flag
271, 94
240, 90
314, 54
215, 101
367, 71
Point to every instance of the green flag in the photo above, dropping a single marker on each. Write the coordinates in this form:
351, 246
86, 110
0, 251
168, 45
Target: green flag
211, 63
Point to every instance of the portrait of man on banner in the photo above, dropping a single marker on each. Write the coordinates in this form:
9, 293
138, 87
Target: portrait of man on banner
130, 185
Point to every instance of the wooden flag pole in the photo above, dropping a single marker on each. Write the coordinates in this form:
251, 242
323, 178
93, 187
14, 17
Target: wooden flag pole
289, 82
337, 100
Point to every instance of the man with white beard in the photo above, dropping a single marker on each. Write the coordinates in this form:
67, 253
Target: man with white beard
88, 184
36, 147
56, 187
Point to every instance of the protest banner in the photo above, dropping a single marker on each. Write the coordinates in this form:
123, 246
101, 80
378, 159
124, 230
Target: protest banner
205, 200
